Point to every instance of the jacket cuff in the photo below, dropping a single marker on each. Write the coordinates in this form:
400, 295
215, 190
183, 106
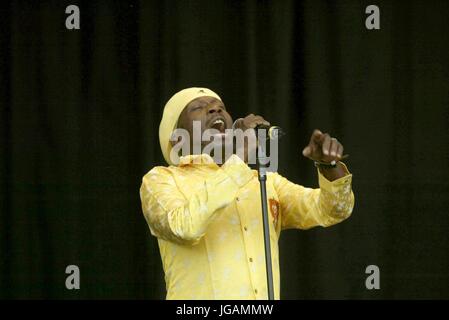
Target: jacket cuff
336, 184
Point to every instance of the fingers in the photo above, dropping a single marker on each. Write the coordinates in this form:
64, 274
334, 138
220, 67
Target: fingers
251, 121
333, 148
340, 150
326, 146
261, 121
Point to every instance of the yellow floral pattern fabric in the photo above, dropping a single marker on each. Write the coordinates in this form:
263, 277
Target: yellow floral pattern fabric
209, 227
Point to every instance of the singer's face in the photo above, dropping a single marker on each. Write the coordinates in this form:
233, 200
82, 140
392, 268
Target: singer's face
208, 111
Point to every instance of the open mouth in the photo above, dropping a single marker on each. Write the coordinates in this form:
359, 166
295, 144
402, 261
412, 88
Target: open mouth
218, 124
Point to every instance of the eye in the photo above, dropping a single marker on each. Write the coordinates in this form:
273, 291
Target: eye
197, 107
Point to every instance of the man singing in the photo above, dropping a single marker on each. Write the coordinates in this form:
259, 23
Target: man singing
206, 213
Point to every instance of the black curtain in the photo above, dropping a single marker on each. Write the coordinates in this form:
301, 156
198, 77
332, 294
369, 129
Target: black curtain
79, 120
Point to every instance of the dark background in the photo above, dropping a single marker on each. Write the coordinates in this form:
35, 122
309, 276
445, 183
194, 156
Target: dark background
79, 120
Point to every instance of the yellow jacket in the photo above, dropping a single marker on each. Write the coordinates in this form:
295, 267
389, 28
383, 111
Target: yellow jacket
208, 223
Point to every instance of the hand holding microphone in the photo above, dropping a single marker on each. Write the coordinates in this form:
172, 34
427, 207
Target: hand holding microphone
251, 121
255, 122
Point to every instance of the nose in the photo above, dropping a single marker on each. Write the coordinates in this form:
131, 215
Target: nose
215, 108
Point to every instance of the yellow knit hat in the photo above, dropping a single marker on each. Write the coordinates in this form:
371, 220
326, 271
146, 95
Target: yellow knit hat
172, 110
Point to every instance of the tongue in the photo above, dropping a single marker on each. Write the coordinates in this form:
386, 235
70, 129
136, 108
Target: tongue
218, 126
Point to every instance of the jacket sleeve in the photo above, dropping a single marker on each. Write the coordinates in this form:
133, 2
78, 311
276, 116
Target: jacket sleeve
172, 217
304, 208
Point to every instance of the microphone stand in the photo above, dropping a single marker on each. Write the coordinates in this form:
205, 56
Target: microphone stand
262, 175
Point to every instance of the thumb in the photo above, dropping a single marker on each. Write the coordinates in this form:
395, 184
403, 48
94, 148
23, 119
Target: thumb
306, 152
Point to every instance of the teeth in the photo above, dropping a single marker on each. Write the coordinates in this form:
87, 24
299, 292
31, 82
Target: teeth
218, 121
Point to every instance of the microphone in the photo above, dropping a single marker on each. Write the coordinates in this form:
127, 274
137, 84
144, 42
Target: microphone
273, 132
